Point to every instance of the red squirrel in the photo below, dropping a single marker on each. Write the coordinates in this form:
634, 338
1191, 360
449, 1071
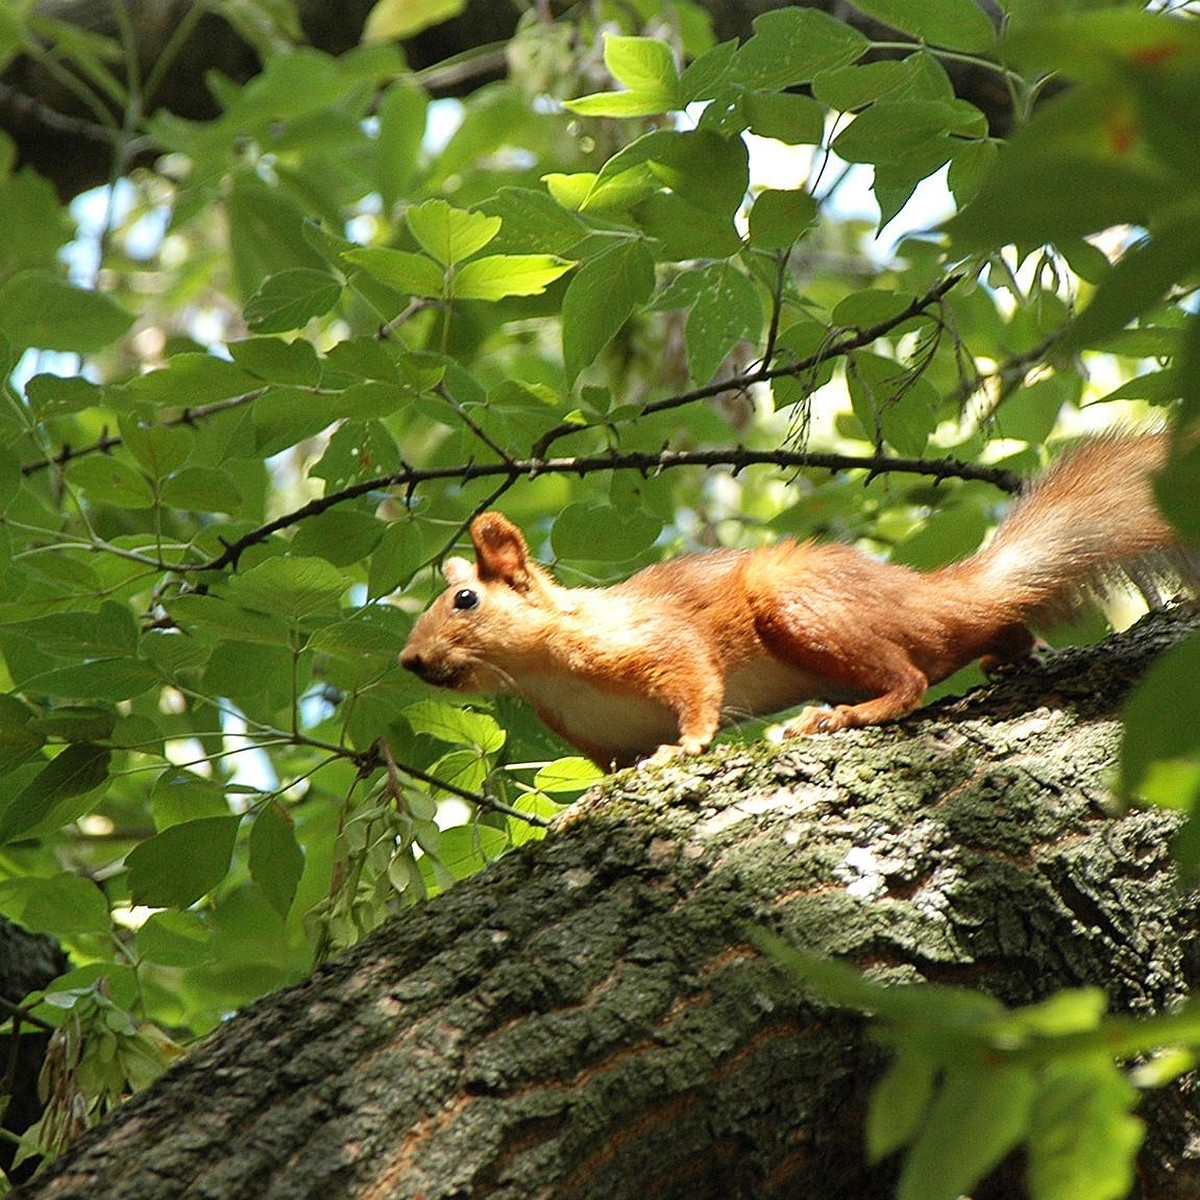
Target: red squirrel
655, 665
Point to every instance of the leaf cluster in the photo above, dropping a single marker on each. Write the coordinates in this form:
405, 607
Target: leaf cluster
970, 1081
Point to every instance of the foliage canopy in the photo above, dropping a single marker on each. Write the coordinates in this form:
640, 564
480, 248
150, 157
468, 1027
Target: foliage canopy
254, 395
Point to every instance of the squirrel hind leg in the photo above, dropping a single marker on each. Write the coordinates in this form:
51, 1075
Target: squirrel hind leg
1012, 645
906, 688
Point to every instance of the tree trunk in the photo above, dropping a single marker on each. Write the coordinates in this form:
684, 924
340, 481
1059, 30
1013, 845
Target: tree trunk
28, 961
587, 1018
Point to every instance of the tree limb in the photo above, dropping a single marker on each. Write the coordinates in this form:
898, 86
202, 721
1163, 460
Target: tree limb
587, 1019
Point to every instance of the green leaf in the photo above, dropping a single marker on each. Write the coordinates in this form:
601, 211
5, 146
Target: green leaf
276, 861
702, 77
725, 312
288, 415
534, 221
75, 772
466, 849
622, 104
39, 310
599, 532
395, 559
107, 480
493, 117
639, 63
955, 24
779, 218
1159, 753
395, 20
569, 775
202, 489
180, 796
102, 679
64, 905
76, 723
1085, 45
340, 536
290, 299
218, 618
1083, 1140
894, 131
979, 1114
450, 234
1039, 194
646, 67
53, 395
110, 631
891, 402
1142, 277
402, 116
1178, 486
790, 45
289, 587
199, 378
358, 651
500, 275
173, 653
846, 89
449, 723
266, 225
174, 939
19, 742
705, 169
159, 449
785, 116
183, 863
413, 274
899, 1102
600, 299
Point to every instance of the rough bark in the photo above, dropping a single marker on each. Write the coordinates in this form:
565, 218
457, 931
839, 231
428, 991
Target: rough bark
58, 136
587, 1019
27, 962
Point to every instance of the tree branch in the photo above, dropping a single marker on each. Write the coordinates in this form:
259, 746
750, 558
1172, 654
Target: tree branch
738, 458
765, 373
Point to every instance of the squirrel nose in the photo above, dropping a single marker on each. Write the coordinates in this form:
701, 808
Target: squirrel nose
411, 660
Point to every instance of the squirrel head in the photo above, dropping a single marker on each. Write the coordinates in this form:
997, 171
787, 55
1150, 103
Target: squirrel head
493, 612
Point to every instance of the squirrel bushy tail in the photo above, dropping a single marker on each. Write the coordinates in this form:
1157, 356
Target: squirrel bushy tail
1090, 516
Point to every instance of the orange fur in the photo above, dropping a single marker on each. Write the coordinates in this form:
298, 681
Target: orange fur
656, 664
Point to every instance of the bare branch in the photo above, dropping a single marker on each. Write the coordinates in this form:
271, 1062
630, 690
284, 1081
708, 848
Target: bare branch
738, 457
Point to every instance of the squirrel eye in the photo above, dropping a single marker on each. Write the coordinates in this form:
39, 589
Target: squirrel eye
465, 599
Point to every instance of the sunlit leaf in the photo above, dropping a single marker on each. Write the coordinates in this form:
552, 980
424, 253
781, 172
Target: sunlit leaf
500, 275
450, 234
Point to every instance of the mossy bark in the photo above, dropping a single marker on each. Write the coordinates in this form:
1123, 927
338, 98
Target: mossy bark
588, 1020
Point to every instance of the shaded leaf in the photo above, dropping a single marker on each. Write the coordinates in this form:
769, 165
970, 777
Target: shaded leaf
181, 864
39, 309
276, 861
600, 298
76, 771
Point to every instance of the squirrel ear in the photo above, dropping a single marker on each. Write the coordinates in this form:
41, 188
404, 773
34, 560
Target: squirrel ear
457, 570
500, 550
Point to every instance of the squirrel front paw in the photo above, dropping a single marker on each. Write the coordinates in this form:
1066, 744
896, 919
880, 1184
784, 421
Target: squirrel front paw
670, 751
